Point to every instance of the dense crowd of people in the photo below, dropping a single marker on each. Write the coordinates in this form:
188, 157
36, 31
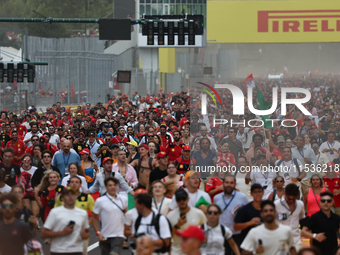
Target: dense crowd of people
155, 175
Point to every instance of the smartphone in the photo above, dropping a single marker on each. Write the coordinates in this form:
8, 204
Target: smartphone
182, 214
71, 223
260, 242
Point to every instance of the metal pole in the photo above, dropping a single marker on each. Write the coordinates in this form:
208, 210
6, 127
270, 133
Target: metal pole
55, 79
78, 72
69, 81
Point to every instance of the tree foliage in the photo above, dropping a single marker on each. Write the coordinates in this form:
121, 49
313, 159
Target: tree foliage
54, 9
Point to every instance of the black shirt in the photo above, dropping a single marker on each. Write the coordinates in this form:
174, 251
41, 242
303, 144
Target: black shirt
14, 236
78, 147
39, 174
104, 153
157, 174
245, 214
12, 178
320, 223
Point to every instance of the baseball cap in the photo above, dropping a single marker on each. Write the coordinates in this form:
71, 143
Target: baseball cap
186, 148
106, 125
260, 155
163, 112
314, 141
91, 134
140, 191
85, 152
190, 174
145, 146
120, 108
192, 232
161, 154
314, 127
114, 145
81, 133
181, 193
281, 139
67, 190
330, 165
163, 124
106, 159
133, 143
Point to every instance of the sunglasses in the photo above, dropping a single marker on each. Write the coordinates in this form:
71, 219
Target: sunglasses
213, 212
35, 140
46, 156
69, 138
231, 131
7, 206
326, 200
150, 136
27, 159
203, 130
179, 199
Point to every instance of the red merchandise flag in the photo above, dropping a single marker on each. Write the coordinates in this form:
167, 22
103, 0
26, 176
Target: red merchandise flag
72, 91
39, 87
15, 85
250, 81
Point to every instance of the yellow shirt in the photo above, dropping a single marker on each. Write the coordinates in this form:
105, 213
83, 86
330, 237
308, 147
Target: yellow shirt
83, 201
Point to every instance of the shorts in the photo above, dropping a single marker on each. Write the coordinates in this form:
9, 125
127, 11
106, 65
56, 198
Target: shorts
113, 245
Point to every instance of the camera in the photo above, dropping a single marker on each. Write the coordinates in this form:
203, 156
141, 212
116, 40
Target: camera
51, 202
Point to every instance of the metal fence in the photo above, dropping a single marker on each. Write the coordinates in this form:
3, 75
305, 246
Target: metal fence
73, 77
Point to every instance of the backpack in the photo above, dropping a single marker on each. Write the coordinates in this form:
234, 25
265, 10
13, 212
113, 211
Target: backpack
295, 163
222, 229
155, 222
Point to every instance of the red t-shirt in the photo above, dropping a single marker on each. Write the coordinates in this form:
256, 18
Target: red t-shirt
52, 194
174, 151
226, 157
212, 184
278, 153
183, 167
333, 185
19, 150
22, 130
117, 139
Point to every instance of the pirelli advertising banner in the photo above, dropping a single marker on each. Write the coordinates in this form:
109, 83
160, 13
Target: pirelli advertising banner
273, 21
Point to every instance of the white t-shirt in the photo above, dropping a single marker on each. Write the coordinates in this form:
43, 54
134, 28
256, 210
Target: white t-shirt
215, 240
83, 187
288, 170
132, 215
275, 242
331, 155
58, 219
194, 217
242, 186
111, 216
193, 198
150, 230
29, 136
285, 217
55, 139
264, 179
162, 207
5, 189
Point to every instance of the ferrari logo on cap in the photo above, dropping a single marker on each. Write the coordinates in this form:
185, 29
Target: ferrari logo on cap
82, 198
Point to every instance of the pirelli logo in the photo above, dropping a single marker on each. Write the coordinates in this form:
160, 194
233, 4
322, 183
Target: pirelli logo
299, 21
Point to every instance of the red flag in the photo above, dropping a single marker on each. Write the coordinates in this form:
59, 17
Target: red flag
39, 87
72, 91
250, 81
15, 85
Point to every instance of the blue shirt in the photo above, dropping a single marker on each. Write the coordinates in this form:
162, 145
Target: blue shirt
230, 207
102, 135
202, 164
94, 148
62, 161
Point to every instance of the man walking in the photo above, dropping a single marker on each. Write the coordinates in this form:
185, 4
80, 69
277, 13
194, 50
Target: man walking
269, 238
67, 226
110, 209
